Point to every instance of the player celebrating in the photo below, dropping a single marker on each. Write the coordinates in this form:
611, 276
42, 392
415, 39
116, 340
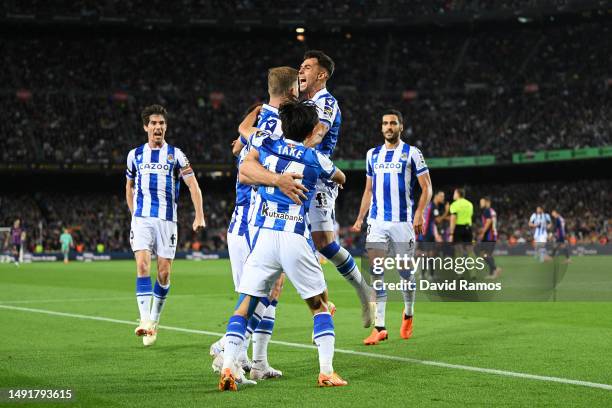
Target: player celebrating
488, 236
153, 177
17, 237
66, 243
392, 170
560, 236
282, 86
315, 71
540, 222
282, 238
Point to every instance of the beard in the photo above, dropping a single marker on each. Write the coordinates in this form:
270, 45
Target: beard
392, 137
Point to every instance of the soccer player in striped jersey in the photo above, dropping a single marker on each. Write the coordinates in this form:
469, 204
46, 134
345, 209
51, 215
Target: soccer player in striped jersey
560, 235
282, 240
282, 86
392, 171
153, 174
488, 236
315, 71
540, 222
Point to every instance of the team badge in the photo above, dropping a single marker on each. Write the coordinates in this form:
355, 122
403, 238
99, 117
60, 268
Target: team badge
404, 157
170, 157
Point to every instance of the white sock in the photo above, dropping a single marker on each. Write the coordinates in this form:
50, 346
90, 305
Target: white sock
379, 319
262, 336
144, 306
159, 300
346, 265
326, 345
233, 345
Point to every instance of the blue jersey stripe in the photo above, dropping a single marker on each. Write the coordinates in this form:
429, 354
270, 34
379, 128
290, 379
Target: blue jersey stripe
387, 189
401, 182
413, 181
169, 206
139, 195
153, 186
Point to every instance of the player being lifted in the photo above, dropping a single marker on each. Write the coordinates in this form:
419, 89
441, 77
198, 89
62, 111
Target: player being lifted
153, 174
392, 171
540, 222
282, 86
488, 236
560, 236
315, 71
282, 239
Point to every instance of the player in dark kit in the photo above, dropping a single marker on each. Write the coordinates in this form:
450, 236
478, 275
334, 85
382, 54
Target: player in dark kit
16, 236
488, 236
560, 236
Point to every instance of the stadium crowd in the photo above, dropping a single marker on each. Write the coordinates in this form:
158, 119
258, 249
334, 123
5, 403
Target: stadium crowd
199, 9
104, 219
70, 100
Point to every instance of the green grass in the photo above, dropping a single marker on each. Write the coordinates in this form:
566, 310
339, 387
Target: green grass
106, 366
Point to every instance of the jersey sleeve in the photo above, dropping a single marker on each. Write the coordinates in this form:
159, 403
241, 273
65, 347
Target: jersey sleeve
486, 213
327, 166
327, 109
419, 161
369, 171
181, 160
130, 171
532, 218
453, 208
256, 139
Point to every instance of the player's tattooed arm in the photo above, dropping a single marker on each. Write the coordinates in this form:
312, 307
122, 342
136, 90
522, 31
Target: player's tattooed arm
252, 172
426, 192
366, 199
196, 198
319, 131
129, 195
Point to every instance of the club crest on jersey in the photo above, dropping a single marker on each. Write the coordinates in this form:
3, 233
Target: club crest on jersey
170, 157
267, 212
404, 157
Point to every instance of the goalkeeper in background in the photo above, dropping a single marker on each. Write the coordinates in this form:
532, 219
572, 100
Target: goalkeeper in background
66, 243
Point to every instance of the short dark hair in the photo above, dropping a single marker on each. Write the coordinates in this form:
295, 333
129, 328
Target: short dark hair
487, 199
298, 119
153, 110
395, 112
461, 191
323, 59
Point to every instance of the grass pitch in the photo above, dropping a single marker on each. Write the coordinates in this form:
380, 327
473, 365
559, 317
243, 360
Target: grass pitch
442, 365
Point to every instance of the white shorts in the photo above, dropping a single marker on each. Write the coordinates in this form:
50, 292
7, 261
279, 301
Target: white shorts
277, 251
155, 235
392, 237
540, 239
321, 212
238, 248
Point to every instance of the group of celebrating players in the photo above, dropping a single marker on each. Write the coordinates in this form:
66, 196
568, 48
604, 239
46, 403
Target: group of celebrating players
284, 212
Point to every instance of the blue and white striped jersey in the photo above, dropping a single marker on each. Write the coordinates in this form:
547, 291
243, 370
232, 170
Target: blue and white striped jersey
394, 175
541, 221
273, 209
329, 113
156, 174
266, 120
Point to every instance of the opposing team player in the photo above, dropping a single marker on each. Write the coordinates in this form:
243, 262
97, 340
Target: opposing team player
315, 71
488, 236
17, 236
282, 86
153, 174
282, 240
392, 171
560, 236
66, 242
540, 222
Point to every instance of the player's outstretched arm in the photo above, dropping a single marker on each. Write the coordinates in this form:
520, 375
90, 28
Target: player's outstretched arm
426, 192
129, 195
252, 172
196, 199
366, 200
246, 128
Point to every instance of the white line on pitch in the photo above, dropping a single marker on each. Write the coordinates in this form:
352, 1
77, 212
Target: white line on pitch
56, 300
342, 351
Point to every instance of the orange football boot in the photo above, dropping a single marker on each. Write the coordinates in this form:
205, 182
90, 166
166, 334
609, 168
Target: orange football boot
375, 337
406, 329
227, 382
333, 380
